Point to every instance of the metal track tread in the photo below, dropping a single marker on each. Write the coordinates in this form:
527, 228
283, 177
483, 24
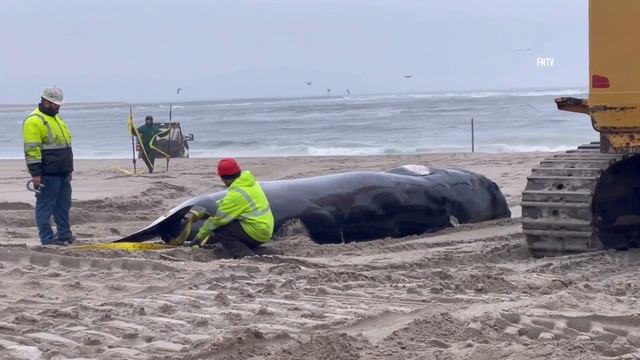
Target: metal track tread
557, 209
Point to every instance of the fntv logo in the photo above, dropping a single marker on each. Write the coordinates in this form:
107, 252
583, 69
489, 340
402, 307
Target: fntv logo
545, 62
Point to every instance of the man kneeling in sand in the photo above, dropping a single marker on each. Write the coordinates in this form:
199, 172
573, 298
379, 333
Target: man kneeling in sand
243, 220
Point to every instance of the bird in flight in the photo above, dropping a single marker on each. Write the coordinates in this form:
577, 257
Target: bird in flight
309, 82
407, 76
178, 91
524, 49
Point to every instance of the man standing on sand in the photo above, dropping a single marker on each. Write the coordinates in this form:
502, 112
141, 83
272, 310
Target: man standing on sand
147, 133
243, 220
47, 150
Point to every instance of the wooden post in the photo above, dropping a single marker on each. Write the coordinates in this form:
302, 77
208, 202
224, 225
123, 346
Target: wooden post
132, 130
169, 138
472, 137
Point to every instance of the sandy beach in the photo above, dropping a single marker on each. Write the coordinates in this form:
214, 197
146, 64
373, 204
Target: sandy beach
470, 292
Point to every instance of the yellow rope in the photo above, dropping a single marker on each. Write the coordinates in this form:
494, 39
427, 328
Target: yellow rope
139, 138
138, 246
126, 246
183, 235
154, 140
127, 172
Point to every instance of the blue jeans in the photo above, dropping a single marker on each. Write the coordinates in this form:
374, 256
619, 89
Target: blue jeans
54, 199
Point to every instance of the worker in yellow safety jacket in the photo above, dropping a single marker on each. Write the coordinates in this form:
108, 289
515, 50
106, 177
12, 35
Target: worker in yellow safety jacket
243, 220
47, 150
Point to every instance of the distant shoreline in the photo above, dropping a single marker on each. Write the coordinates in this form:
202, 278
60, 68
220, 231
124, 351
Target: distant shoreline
302, 157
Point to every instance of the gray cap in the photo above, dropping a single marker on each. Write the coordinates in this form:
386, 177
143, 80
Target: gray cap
53, 94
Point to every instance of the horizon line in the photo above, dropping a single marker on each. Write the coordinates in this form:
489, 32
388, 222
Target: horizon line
428, 92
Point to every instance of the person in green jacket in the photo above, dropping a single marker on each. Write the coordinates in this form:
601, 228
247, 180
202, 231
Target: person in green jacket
147, 133
243, 220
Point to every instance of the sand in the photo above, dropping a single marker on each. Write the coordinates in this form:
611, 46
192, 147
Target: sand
471, 292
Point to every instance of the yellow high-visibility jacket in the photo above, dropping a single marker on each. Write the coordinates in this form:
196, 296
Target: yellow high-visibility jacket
246, 202
47, 144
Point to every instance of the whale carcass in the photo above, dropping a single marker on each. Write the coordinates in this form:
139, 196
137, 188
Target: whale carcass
357, 206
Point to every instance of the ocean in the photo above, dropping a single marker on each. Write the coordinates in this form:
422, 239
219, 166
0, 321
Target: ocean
504, 121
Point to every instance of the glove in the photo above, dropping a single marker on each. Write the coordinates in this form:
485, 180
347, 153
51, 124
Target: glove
193, 242
200, 239
203, 234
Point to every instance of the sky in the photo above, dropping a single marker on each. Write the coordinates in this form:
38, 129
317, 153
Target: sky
139, 51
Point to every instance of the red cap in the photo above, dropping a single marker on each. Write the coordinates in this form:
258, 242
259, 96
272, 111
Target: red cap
228, 166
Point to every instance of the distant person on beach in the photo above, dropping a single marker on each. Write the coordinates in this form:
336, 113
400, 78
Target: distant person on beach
147, 132
243, 220
47, 150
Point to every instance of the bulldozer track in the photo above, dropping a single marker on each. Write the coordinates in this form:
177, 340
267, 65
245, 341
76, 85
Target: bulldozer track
557, 203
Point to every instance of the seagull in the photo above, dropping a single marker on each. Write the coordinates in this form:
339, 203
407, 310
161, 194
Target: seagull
407, 76
178, 91
309, 82
524, 49
348, 92
328, 91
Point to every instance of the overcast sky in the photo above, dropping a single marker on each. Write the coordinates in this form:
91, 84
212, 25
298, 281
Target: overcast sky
127, 50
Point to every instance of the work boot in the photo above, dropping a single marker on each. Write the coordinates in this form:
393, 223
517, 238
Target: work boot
70, 240
57, 243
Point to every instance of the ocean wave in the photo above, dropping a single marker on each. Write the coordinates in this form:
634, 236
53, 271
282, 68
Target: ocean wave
554, 93
323, 151
489, 94
332, 126
398, 97
274, 151
501, 148
272, 102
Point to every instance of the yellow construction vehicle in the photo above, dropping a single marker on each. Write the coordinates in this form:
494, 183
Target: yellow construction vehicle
589, 198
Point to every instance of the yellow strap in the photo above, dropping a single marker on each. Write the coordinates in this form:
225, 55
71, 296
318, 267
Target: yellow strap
183, 235
135, 246
126, 246
154, 139
128, 172
138, 137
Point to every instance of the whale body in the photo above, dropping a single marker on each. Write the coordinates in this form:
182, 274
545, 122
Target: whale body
358, 206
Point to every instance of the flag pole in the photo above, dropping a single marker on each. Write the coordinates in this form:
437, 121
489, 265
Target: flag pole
133, 146
169, 139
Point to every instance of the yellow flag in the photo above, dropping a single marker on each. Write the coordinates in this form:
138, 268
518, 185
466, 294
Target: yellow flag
130, 124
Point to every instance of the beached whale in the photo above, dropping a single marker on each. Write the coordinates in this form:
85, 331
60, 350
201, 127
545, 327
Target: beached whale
358, 206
